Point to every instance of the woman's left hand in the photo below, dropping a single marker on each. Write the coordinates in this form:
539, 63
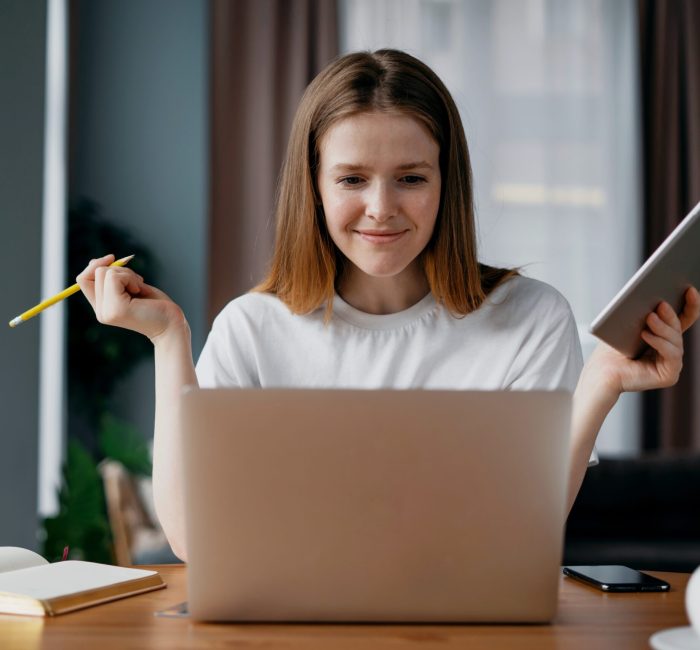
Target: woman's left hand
661, 364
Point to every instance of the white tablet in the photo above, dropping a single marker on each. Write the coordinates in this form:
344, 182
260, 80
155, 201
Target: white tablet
666, 275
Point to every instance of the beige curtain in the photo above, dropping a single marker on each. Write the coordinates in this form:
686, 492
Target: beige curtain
264, 53
670, 61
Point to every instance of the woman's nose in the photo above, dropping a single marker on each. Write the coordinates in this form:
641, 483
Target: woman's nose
381, 204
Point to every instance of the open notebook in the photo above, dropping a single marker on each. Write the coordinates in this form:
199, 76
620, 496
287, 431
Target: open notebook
30, 585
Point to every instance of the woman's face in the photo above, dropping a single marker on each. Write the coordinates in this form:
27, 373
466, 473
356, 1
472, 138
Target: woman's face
379, 180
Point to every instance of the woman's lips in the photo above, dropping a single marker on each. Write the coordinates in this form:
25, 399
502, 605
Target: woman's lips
379, 237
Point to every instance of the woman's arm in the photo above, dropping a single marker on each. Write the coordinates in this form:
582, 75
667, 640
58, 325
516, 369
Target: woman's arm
174, 370
609, 373
121, 298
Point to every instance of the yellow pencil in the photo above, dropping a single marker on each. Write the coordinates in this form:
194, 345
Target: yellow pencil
58, 297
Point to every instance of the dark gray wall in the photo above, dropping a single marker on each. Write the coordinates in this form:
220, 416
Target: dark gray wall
140, 146
22, 64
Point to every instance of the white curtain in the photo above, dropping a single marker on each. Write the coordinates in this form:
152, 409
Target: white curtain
52, 352
548, 94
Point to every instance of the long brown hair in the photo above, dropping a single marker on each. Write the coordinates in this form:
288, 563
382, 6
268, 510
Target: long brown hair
306, 263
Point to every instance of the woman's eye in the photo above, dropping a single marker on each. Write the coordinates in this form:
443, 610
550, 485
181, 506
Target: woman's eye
353, 181
413, 180
350, 180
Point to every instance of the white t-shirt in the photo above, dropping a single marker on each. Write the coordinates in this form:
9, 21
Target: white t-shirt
523, 337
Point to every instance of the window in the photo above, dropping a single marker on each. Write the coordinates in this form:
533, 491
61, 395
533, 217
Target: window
547, 90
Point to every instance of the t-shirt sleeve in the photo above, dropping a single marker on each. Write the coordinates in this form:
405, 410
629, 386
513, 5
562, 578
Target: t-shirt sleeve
224, 359
213, 369
550, 357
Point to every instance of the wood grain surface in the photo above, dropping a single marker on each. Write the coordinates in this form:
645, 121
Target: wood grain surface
586, 619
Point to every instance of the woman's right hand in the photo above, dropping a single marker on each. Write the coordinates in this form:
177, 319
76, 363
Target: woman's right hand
120, 297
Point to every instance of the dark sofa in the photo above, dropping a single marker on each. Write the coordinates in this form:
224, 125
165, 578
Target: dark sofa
642, 512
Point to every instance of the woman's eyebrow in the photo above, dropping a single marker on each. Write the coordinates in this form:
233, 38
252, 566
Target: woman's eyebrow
353, 167
347, 167
421, 164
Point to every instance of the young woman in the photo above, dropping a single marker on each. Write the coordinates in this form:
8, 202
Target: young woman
375, 280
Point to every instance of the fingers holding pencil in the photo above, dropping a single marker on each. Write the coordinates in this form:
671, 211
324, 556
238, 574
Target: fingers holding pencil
66, 293
86, 278
120, 297
121, 285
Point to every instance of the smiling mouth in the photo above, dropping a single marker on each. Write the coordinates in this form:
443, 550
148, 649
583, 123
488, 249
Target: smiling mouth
380, 237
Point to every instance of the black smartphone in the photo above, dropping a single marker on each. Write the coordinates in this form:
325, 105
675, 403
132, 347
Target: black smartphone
615, 578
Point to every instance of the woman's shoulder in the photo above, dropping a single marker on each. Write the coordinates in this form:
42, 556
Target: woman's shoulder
253, 306
528, 295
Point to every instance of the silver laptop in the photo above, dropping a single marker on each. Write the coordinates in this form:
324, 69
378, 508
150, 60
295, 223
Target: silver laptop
374, 505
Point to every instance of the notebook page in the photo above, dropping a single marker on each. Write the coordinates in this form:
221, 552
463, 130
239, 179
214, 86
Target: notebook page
63, 578
13, 557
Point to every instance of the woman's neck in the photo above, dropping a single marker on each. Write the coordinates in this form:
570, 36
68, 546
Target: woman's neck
377, 295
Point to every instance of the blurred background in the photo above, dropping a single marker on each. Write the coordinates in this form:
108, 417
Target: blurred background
158, 128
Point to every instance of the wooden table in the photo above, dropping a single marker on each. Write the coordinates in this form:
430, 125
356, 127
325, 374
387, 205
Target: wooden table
586, 619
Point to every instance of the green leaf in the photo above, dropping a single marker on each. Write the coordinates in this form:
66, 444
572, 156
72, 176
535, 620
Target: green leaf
122, 442
81, 523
